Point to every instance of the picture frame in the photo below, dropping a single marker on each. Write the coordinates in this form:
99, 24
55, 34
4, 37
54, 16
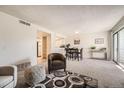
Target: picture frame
76, 42
99, 41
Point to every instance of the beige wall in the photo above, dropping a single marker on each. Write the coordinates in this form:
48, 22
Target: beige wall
87, 40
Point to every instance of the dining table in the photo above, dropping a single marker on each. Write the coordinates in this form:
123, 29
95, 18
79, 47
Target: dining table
74, 53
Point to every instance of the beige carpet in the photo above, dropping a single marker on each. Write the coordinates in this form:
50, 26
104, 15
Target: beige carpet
107, 72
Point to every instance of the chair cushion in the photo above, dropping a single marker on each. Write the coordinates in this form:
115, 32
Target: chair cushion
57, 64
5, 80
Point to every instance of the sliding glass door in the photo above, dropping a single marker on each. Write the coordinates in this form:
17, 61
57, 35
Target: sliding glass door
121, 46
118, 49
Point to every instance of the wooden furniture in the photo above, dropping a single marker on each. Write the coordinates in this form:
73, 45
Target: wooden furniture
74, 53
99, 54
80, 54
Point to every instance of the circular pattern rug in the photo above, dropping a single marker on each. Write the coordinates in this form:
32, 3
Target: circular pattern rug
59, 83
67, 80
60, 73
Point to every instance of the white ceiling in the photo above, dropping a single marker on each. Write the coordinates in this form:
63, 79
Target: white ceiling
68, 19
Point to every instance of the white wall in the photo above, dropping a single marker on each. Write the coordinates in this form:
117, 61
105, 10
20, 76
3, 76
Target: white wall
87, 40
17, 41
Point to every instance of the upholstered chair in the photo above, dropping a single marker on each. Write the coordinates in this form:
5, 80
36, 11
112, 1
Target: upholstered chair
8, 76
56, 61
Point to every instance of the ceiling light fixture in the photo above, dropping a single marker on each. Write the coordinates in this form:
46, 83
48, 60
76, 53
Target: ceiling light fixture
76, 32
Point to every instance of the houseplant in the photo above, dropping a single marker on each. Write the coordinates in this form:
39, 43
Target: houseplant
93, 47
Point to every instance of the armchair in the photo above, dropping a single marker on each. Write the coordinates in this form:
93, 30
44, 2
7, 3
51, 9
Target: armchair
8, 76
56, 61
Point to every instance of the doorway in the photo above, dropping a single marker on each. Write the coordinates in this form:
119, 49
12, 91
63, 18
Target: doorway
43, 46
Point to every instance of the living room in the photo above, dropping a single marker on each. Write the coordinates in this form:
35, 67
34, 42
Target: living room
85, 38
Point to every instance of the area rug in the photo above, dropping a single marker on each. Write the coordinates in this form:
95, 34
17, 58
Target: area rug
67, 80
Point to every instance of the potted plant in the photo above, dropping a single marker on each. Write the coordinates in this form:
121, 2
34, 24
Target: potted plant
93, 47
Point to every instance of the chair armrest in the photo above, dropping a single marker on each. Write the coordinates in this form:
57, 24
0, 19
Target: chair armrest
49, 63
8, 70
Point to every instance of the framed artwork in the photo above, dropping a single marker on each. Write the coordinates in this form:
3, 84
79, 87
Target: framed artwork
39, 49
76, 42
99, 41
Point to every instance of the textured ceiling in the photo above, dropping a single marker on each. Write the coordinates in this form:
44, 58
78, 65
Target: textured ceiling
69, 19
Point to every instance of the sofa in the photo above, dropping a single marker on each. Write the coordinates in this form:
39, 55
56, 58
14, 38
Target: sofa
8, 76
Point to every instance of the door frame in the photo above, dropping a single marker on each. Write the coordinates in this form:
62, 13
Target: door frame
114, 47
